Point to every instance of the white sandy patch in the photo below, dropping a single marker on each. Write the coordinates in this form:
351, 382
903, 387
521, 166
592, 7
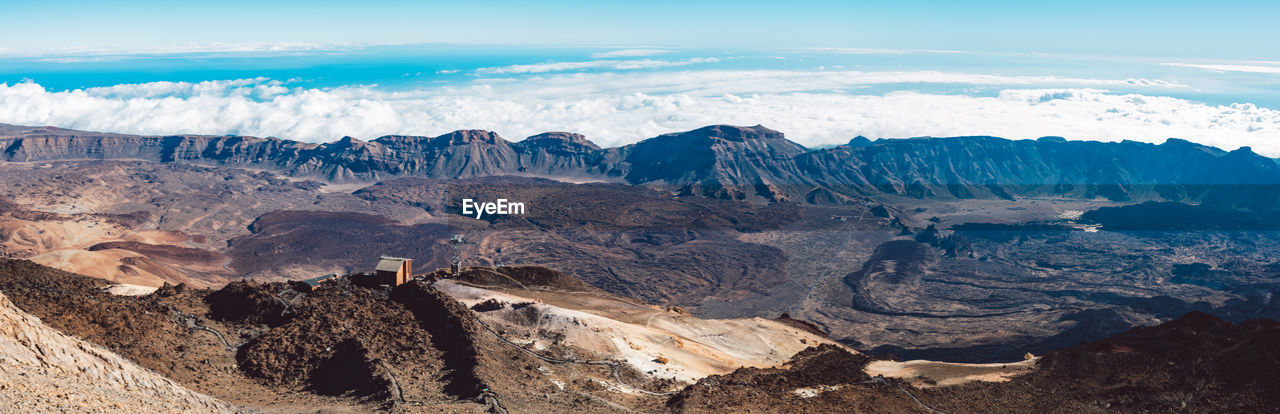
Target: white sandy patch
342, 188
932, 373
810, 392
1071, 214
661, 344
125, 289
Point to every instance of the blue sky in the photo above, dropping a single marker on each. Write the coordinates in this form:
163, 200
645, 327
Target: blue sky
1220, 29
820, 71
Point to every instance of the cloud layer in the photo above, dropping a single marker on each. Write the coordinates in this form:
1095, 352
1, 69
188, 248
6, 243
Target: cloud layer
1221, 68
629, 53
811, 107
591, 64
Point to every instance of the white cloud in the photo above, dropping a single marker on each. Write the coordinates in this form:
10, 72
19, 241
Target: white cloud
1230, 67
628, 53
715, 82
812, 108
874, 51
591, 64
91, 54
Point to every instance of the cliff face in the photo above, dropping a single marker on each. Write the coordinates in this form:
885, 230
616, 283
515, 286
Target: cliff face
966, 167
566, 154
458, 154
454, 155
725, 162
722, 161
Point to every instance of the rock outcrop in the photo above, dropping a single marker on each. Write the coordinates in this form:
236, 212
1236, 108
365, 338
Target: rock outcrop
43, 370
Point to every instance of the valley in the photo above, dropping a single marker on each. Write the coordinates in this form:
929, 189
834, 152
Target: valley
722, 255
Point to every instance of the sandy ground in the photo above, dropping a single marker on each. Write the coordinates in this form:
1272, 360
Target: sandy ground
64, 244
660, 343
341, 188
103, 264
667, 344
926, 374
124, 289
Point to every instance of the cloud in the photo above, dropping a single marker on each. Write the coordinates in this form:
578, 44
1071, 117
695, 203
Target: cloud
592, 64
80, 59
87, 54
1220, 68
874, 51
628, 53
811, 107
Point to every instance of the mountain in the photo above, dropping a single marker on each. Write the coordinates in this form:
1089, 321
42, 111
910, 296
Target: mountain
564, 154
967, 167
721, 161
465, 153
47, 370
727, 162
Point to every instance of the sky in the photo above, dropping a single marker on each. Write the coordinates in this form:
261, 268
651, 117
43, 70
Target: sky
1219, 29
621, 71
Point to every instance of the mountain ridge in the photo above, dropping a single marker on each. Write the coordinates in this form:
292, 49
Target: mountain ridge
722, 161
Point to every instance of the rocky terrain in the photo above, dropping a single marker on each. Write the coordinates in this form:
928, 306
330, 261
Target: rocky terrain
969, 250
44, 370
1068, 265
1196, 363
526, 339
664, 343
562, 346
340, 349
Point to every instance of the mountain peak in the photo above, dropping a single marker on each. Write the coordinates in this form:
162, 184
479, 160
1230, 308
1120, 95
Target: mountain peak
1180, 143
560, 140
734, 133
459, 137
468, 137
346, 143
1245, 150
859, 142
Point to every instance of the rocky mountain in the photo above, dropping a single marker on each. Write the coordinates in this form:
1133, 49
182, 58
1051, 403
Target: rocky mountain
721, 161
530, 339
466, 153
727, 162
44, 370
564, 154
967, 167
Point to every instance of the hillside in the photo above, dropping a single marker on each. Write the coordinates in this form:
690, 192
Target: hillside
1196, 363
44, 370
554, 344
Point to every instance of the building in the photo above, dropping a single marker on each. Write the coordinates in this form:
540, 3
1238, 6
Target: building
310, 285
393, 271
